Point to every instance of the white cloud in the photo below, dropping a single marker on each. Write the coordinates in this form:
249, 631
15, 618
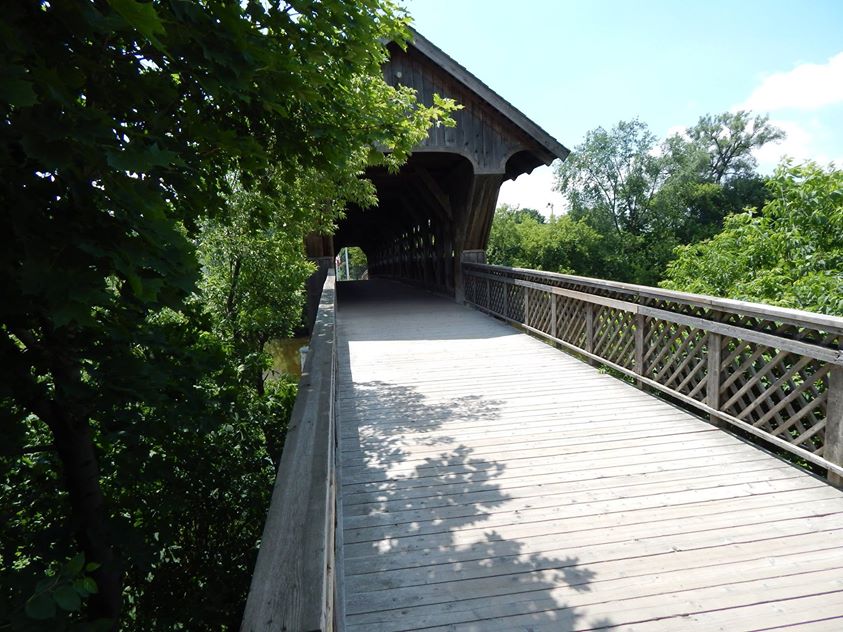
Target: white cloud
533, 190
806, 87
797, 144
682, 130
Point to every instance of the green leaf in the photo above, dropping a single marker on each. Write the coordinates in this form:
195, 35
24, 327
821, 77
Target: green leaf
67, 598
41, 606
18, 92
90, 585
142, 16
138, 158
90, 567
75, 564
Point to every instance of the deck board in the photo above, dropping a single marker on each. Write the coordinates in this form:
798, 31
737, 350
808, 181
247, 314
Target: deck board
491, 482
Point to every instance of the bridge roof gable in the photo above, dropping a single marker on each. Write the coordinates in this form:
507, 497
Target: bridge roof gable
479, 89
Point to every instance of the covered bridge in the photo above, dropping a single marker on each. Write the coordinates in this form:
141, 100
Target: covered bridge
438, 209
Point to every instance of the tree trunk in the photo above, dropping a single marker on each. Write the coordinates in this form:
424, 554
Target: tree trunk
75, 448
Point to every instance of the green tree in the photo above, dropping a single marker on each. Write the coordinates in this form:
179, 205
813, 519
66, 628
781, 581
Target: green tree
790, 253
122, 122
612, 177
725, 143
712, 174
253, 264
646, 197
561, 244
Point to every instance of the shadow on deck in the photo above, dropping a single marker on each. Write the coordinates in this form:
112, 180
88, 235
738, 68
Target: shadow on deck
489, 482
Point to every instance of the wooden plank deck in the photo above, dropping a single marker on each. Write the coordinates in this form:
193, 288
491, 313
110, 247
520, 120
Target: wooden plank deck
491, 482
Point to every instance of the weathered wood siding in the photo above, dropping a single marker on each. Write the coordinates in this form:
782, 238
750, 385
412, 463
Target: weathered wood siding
481, 134
294, 582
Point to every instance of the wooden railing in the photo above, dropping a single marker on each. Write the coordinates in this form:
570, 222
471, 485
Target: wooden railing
293, 585
775, 373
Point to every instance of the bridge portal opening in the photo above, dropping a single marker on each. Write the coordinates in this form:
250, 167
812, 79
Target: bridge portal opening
352, 264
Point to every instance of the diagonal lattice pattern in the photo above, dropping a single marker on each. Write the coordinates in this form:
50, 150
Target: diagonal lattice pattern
614, 337
676, 356
782, 393
538, 309
689, 347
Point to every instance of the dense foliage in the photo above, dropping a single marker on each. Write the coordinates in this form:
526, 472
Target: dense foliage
689, 213
356, 262
645, 197
524, 239
138, 447
790, 253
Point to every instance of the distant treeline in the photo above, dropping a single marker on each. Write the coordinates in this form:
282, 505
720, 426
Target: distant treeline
691, 213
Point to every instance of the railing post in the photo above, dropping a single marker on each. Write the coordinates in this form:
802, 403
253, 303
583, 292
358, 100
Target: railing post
527, 306
712, 385
834, 423
639, 348
589, 330
553, 314
488, 294
505, 298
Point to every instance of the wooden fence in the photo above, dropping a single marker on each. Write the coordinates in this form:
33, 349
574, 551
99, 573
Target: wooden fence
775, 373
294, 585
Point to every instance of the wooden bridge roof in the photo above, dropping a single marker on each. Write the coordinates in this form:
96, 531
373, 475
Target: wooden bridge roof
553, 148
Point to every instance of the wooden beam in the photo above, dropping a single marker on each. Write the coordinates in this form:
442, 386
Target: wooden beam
833, 450
435, 190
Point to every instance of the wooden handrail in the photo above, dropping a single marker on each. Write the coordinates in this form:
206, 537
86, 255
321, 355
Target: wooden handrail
832, 324
776, 373
293, 584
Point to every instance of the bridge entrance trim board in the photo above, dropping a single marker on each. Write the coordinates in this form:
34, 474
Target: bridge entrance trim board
490, 482
442, 201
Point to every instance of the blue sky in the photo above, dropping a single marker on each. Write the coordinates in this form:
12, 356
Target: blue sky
573, 66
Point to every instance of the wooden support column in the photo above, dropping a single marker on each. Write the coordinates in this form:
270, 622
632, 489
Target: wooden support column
527, 306
553, 315
468, 256
712, 386
834, 423
589, 330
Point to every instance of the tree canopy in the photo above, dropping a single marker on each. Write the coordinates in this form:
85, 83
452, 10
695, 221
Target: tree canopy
136, 459
788, 253
645, 196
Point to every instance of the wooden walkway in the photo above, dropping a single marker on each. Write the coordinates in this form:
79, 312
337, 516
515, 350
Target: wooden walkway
491, 482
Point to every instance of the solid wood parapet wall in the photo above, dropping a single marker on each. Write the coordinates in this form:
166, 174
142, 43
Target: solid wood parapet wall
293, 585
772, 372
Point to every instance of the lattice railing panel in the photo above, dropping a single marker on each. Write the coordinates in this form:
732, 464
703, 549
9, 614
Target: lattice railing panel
473, 291
781, 393
571, 320
770, 371
538, 304
496, 296
515, 303
676, 356
613, 336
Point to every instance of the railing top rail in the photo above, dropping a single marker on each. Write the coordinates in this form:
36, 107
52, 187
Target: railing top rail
292, 584
800, 318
